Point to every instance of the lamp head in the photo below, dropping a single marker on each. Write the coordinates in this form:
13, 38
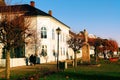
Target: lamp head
58, 30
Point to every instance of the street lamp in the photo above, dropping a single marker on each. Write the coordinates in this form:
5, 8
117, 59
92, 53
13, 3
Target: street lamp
58, 30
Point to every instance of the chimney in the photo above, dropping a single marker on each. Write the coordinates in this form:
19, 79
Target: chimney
50, 12
32, 3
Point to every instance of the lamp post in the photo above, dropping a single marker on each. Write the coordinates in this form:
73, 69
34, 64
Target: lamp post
58, 30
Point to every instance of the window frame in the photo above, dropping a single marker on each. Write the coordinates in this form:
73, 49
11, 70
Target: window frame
43, 32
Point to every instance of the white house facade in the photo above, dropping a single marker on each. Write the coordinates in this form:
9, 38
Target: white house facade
45, 38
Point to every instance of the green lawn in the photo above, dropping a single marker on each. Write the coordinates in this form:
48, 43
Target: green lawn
106, 71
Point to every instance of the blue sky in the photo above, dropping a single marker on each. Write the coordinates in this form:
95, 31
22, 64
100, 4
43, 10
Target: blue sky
99, 17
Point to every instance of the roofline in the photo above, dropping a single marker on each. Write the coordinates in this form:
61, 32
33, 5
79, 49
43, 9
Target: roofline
60, 21
53, 18
39, 14
50, 16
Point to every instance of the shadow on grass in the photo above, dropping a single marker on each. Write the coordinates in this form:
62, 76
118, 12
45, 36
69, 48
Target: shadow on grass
86, 76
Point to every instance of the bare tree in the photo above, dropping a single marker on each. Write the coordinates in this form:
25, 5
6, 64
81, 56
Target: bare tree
75, 43
14, 28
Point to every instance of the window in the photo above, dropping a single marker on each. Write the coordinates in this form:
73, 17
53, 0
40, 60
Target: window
54, 53
53, 34
63, 51
63, 37
43, 32
44, 50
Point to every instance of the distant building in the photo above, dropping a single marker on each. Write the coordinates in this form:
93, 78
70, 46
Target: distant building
80, 35
92, 36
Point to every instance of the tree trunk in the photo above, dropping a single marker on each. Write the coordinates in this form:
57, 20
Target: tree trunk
8, 65
75, 59
95, 55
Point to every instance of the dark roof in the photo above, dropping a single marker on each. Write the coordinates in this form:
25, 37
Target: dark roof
72, 33
27, 10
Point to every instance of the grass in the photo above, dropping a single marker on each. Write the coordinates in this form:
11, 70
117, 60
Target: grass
28, 71
70, 75
106, 71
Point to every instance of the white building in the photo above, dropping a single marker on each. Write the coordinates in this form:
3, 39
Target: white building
46, 38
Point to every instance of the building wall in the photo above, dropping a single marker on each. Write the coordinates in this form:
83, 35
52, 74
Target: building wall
13, 62
31, 41
35, 42
50, 24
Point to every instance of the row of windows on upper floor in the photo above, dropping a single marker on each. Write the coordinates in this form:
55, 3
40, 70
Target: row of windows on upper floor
44, 34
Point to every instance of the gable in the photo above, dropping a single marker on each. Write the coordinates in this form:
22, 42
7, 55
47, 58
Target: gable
27, 10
